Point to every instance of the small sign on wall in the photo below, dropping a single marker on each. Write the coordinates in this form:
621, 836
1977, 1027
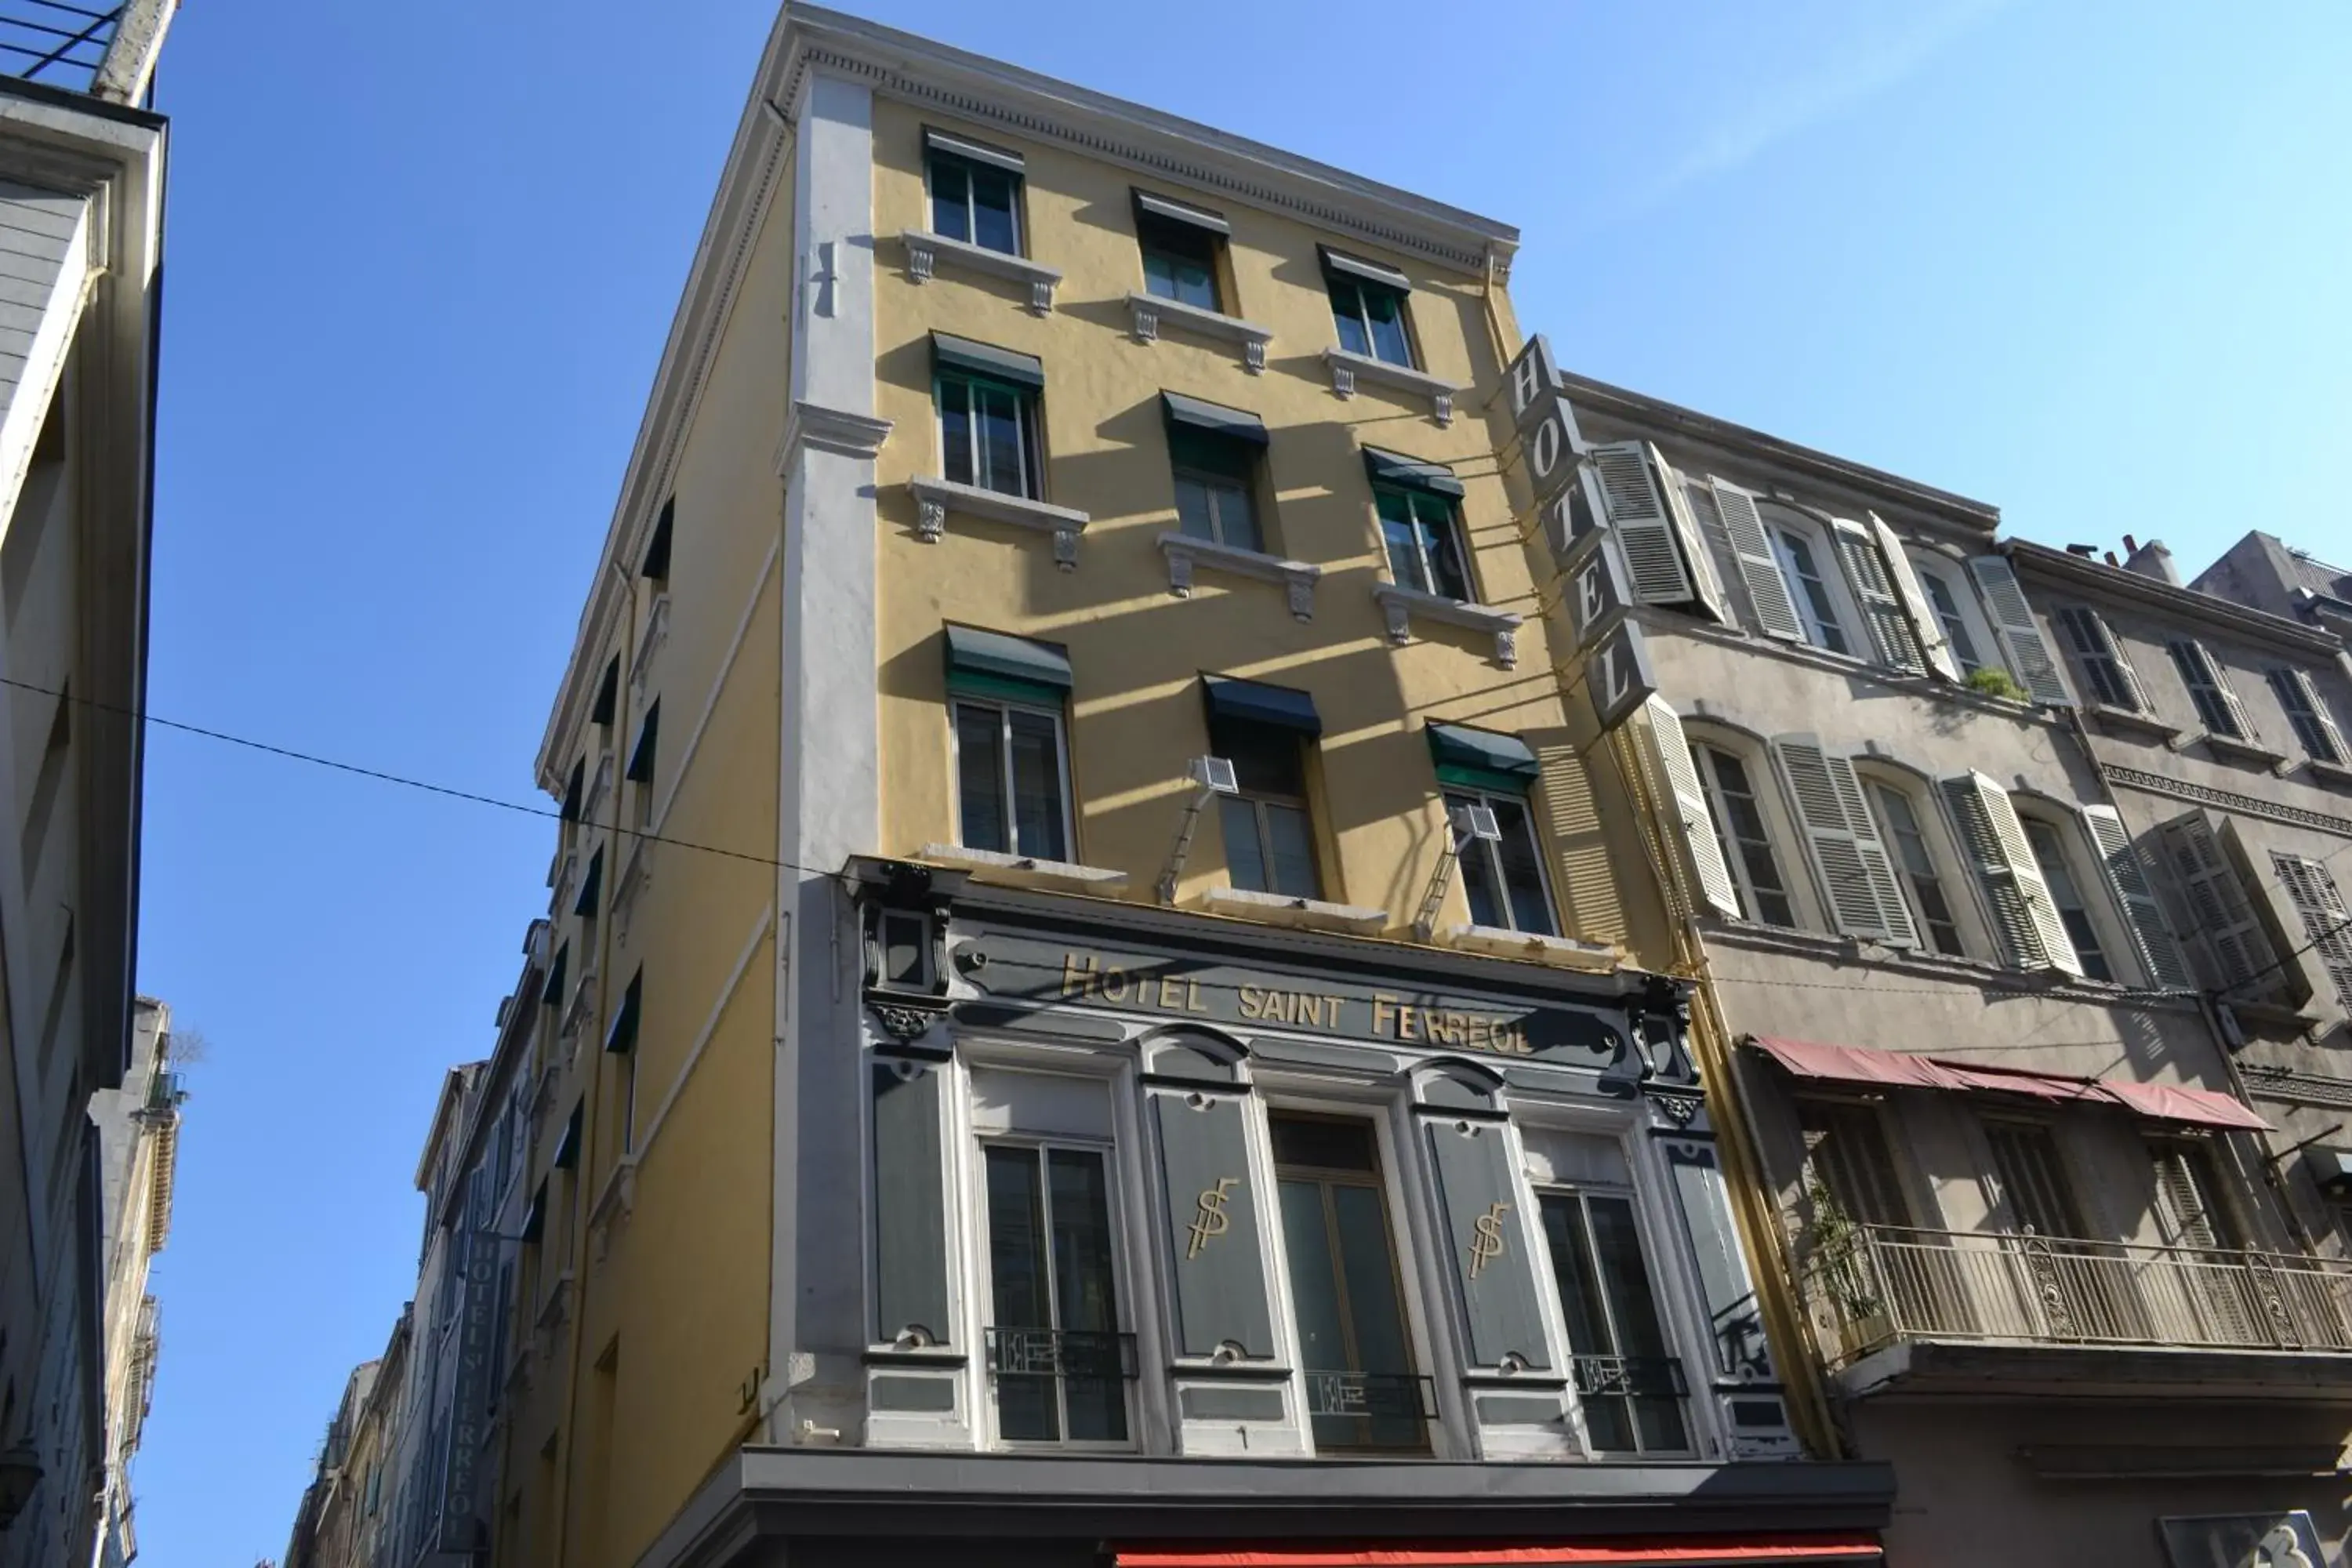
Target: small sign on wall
1617, 674
2243, 1541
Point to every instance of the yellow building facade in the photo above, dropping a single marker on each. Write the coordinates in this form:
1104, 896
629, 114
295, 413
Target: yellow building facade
1087, 1006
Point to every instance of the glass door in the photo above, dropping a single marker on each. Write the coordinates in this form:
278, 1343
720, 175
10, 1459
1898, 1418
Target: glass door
1059, 1360
1354, 1348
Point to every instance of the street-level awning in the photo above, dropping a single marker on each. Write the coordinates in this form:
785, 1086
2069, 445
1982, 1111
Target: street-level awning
1902, 1069
1783, 1550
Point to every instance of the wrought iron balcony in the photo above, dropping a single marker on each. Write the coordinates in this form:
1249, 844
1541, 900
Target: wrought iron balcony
1061, 1352
1629, 1376
1874, 1285
53, 42
1378, 1395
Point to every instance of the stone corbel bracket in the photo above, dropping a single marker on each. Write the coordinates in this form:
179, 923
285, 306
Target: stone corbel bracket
1401, 605
1347, 369
1184, 552
937, 498
1151, 313
926, 252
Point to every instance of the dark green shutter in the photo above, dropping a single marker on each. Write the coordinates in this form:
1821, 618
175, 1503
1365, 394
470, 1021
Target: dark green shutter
1491, 1269
910, 1238
1220, 1293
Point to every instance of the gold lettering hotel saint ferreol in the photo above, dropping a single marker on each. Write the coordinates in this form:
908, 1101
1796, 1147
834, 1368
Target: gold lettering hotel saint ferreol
1210, 1219
1382, 1016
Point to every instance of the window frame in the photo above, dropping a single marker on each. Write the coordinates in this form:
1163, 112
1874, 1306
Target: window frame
1920, 805
1704, 748
1168, 238
1364, 289
2207, 683
2071, 869
1257, 800
1041, 1145
1449, 528
1660, 1308
934, 159
1966, 632
1213, 464
1028, 431
2305, 705
1004, 707
2102, 665
1785, 531
1524, 803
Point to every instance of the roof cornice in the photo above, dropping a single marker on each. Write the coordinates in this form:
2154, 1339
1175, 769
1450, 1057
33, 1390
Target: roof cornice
2114, 582
1865, 484
969, 86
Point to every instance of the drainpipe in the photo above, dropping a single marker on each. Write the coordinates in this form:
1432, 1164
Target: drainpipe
1756, 1215
2207, 1008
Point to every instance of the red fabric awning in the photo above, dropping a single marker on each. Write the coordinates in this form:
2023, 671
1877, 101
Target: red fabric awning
1785, 1552
1901, 1070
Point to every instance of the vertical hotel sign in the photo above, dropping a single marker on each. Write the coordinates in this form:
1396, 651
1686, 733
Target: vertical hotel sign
463, 1528
1616, 673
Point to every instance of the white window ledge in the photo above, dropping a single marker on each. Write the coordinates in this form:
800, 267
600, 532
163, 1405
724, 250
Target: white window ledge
2231, 749
939, 498
2123, 720
2333, 774
617, 1203
1185, 551
1565, 952
1152, 312
1403, 605
1347, 368
925, 251
1281, 909
636, 874
598, 783
1021, 870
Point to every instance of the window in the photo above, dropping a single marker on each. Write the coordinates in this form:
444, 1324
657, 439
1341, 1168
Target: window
1270, 835
2209, 689
1503, 878
1216, 482
2190, 1208
1180, 260
1898, 822
1847, 1157
1012, 796
1353, 1344
988, 434
2326, 925
1629, 1383
1818, 610
1368, 306
1946, 601
1054, 1340
1423, 543
1740, 823
975, 202
2109, 675
2314, 727
2058, 874
2032, 1178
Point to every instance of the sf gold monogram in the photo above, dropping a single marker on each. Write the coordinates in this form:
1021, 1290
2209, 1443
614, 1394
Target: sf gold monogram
1210, 1218
1486, 1238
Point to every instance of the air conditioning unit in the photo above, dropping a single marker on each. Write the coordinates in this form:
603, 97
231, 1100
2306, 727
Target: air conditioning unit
1216, 774
1476, 821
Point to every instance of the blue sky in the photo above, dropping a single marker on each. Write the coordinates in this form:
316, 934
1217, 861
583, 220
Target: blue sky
2086, 263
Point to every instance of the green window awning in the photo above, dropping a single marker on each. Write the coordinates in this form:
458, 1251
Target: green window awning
1254, 702
656, 564
592, 886
641, 755
976, 152
623, 1035
950, 353
1174, 211
574, 790
557, 973
991, 663
1195, 414
1388, 467
567, 1147
1369, 271
534, 1219
1481, 759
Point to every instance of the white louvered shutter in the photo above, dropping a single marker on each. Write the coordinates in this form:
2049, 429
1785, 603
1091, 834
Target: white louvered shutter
2021, 637
1857, 878
1690, 541
1925, 624
2106, 666
1645, 524
1890, 632
2024, 913
1700, 499
2209, 689
2326, 924
2127, 880
1760, 569
1667, 751
2307, 714
2236, 948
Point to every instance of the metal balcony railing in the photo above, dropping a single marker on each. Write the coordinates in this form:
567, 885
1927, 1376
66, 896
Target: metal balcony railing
1061, 1352
1875, 1284
1378, 1395
1629, 1376
53, 42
